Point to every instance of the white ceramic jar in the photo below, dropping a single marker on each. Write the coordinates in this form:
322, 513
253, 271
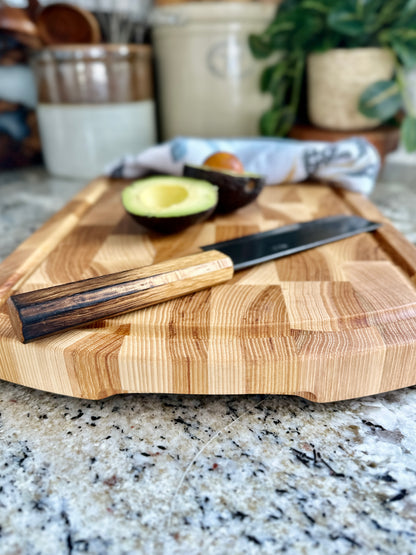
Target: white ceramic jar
95, 105
208, 80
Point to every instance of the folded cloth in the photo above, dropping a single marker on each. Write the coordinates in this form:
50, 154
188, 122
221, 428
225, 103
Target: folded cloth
351, 163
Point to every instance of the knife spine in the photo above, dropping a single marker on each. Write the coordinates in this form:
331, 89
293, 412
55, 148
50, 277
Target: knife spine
365, 225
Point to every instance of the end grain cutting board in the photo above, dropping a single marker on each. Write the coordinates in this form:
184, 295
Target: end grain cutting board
332, 323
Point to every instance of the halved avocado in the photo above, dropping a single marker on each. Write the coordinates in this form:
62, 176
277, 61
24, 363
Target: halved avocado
234, 189
168, 204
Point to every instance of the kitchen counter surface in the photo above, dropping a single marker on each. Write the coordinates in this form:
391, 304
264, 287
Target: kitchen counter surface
197, 474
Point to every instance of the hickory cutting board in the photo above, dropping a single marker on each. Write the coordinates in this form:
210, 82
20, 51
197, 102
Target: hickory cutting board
331, 323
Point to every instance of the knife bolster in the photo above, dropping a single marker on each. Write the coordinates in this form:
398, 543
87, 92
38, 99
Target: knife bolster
43, 312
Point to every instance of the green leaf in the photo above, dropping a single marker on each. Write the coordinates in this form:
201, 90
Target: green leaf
265, 78
280, 26
410, 6
260, 48
408, 133
326, 41
272, 76
406, 52
277, 122
307, 32
269, 121
405, 34
316, 5
281, 95
381, 100
281, 41
346, 22
287, 120
389, 13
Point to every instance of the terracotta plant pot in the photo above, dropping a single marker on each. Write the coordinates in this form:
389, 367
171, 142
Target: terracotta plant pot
336, 80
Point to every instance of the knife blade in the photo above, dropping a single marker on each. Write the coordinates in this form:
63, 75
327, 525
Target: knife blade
282, 241
40, 313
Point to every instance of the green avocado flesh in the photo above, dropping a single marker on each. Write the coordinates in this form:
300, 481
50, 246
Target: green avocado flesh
169, 204
235, 190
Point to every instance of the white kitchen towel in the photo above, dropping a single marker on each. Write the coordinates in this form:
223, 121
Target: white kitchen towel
351, 163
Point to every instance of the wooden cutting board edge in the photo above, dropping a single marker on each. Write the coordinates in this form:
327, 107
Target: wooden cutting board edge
19, 265
401, 250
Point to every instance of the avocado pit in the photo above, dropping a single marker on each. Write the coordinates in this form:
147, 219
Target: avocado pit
236, 188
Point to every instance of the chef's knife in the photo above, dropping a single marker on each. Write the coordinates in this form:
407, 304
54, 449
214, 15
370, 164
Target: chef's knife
36, 314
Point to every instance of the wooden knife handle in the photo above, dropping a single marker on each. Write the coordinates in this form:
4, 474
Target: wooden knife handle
40, 313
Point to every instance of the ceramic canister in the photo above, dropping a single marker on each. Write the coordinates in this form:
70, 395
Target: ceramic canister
208, 80
95, 105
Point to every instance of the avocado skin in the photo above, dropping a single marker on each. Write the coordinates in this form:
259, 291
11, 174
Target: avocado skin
234, 190
174, 224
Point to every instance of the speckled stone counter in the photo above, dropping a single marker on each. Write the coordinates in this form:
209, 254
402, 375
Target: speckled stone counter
160, 474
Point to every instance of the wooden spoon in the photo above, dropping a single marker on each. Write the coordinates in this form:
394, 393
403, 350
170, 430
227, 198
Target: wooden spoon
67, 24
16, 20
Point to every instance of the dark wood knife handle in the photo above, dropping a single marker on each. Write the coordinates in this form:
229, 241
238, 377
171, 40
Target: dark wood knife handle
36, 314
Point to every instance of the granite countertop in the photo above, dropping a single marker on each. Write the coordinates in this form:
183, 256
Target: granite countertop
160, 474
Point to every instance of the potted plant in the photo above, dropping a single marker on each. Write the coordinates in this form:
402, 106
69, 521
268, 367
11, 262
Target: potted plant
316, 36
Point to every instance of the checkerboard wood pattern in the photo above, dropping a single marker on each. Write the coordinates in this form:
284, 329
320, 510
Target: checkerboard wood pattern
332, 323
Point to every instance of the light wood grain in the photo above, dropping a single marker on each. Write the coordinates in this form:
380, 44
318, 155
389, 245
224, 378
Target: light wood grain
333, 323
40, 313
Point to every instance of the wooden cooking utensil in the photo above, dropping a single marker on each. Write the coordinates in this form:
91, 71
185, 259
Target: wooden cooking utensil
67, 24
16, 20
